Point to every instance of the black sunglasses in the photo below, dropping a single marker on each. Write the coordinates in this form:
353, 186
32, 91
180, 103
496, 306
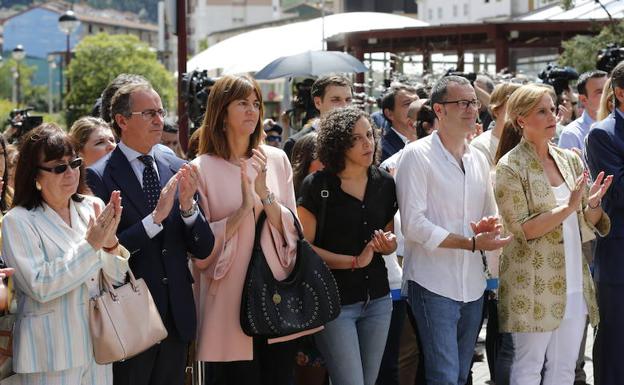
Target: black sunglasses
61, 168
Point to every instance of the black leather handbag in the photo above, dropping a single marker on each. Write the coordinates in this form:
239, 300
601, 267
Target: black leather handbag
306, 299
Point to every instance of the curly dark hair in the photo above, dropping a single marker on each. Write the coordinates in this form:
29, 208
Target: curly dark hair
334, 138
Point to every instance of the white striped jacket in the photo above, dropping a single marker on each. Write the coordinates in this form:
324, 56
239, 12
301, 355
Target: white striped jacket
56, 274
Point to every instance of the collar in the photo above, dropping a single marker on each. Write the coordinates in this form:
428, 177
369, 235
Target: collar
435, 139
586, 120
620, 113
401, 136
132, 154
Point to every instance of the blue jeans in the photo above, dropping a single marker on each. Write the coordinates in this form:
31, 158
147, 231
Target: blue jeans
448, 330
354, 343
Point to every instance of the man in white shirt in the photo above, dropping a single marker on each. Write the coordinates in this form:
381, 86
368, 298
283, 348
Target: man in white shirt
448, 213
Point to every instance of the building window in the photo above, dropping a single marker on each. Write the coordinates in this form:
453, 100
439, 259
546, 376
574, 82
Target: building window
439, 12
487, 1
430, 14
454, 10
466, 10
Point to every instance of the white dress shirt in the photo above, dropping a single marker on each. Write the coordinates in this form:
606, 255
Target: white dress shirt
436, 198
151, 228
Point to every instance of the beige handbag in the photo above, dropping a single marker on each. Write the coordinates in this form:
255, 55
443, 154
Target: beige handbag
123, 321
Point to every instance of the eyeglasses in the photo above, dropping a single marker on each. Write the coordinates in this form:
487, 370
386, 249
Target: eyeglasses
151, 114
464, 104
274, 138
61, 168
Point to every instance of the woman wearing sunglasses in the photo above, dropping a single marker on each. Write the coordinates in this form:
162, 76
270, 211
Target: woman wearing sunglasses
57, 237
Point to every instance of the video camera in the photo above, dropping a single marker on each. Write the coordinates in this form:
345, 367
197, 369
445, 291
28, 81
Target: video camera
558, 77
609, 57
195, 90
22, 121
471, 76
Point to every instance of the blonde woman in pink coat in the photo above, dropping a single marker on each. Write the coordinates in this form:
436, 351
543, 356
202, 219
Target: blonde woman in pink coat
239, 178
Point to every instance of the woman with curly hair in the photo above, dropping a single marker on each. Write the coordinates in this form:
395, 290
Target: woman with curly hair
347, 212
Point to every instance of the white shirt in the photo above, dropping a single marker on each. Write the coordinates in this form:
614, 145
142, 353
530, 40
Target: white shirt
437, 198
152, 229
575, 302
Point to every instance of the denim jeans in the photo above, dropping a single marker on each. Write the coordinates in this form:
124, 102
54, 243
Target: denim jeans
448, 330
353, 344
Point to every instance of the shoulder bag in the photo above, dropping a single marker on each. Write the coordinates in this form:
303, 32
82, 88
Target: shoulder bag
306, 299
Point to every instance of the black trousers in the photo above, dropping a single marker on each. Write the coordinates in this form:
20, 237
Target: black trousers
273, 364
608, 368
162, 364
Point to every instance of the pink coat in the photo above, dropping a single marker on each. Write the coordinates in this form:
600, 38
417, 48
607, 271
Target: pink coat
220, 277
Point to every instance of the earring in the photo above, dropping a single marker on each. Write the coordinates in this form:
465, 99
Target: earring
38, 185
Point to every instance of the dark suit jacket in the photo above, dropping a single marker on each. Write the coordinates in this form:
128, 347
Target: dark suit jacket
161, 261
290, 142
391, 143
605, 152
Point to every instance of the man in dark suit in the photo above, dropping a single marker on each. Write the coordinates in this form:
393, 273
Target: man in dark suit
160, 225
605, 152
395, 104
328, 92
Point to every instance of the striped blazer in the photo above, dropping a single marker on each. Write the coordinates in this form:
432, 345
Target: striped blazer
56, 274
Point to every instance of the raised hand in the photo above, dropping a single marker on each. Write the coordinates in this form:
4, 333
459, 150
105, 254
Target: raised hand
490, 240
259, 163
99, 228
599, 188
115, 200
384, 242
576, 195
187, 185
486, 224
166, 199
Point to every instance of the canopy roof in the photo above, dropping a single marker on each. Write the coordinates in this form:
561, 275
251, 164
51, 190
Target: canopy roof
582, 10
251, 51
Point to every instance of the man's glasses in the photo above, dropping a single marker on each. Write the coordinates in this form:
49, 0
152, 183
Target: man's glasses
274, 138
61, 168
464, 104
151, 114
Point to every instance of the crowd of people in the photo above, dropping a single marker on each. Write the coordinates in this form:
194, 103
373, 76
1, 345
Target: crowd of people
463, 201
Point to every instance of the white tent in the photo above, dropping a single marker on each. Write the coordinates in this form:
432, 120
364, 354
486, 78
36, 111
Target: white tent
250, 51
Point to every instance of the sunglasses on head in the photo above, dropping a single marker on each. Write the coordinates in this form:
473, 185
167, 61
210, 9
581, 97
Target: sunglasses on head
61, 168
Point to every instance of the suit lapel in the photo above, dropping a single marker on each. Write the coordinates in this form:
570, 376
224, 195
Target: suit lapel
125, 179
165, 172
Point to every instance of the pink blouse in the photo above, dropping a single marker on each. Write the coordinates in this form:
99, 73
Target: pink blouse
219, 279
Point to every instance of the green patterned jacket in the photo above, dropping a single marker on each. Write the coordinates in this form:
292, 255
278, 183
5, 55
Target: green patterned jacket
532, 293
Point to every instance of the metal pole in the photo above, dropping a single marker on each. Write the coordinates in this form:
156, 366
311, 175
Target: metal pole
18, 88
182, 49
323, 25
67, 60
50, 106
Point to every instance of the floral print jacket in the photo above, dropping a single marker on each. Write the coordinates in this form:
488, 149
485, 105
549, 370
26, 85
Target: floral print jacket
532, 293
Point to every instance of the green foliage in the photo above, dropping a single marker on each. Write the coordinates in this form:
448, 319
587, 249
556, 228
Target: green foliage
7, 79
100, 58
581, 52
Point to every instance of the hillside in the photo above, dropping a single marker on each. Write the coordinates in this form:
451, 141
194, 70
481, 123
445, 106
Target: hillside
146, 9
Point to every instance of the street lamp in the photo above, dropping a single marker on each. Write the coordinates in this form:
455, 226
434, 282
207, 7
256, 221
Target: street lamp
18, 54
68, 22
51, 67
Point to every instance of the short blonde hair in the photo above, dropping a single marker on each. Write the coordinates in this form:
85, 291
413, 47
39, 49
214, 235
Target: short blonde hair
499, 97
82, 128
524, 100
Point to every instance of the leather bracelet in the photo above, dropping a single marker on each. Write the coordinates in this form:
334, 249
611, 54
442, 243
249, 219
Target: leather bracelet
474, 244
110, 249
594, 207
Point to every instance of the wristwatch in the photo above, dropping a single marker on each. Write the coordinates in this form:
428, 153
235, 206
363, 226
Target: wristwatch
269, 199
189, 212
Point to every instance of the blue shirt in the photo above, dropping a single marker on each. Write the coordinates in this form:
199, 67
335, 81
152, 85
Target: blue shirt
573, 135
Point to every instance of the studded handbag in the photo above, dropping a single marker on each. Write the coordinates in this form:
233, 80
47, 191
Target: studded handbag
306, 299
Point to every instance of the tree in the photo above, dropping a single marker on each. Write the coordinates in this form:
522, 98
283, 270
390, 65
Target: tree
100, 58
7, 80
581, 52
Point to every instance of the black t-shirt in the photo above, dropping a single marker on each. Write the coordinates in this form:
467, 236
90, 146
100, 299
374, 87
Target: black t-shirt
349, 225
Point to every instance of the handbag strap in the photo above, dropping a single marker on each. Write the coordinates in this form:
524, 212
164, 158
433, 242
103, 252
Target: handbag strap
105, 285
260, 225
320, 224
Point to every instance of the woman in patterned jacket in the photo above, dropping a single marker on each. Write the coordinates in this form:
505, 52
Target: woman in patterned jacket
546, 291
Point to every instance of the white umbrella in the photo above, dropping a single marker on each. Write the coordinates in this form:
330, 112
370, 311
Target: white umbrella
251, 51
